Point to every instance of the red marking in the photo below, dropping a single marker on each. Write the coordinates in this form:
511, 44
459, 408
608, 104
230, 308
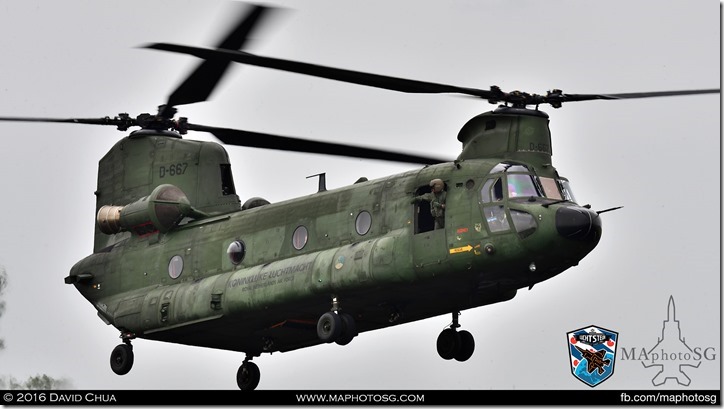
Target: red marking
462, 230
293, 321
609, 343
144, 229
575, 362
573, 340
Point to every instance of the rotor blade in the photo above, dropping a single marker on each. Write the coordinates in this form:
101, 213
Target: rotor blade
286, 143
632, 95
201, 82
494, 95
123, 122
339, 74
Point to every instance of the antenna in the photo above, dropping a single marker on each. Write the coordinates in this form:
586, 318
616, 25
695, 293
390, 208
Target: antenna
322, 181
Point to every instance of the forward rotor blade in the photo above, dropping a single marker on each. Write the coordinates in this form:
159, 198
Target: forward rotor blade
633, 95
339, 74
494, 95
285, 143
201, 82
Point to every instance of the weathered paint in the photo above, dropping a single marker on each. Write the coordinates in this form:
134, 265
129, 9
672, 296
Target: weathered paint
158, 284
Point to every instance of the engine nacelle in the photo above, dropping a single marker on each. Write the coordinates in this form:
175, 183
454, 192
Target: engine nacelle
160, 211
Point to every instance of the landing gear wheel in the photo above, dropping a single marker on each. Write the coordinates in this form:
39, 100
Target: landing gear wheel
453, 344
122, 359
448, 343
248, 375
329, 327
349, 329
467, 346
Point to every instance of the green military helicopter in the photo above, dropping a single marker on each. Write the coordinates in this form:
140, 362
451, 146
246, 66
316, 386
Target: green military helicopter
179, 258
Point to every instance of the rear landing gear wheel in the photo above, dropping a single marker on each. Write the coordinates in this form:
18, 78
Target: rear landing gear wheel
349, 329
248, 375
329, 327
336, 326
122, 359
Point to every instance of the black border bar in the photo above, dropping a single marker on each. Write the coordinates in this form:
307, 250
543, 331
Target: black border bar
654, 397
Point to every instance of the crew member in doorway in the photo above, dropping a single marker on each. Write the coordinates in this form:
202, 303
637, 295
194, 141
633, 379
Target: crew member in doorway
437, 202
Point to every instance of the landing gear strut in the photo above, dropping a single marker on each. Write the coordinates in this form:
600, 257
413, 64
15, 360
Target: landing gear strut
454, 344
336, 326
248, 375
122, 355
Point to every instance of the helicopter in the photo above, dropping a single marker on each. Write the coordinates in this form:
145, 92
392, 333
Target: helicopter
201, 217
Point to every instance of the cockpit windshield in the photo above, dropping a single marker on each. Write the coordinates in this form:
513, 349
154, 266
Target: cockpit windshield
520, 185
557, 189
522, 182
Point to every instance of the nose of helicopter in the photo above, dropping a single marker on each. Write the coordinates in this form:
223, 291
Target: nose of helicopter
578, 223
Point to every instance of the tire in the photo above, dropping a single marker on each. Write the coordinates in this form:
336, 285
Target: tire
349, 330
122, 359
448, 343
467, 346
329, 327
248, 376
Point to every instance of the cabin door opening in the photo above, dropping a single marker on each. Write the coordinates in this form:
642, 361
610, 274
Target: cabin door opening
429, 244
423, 218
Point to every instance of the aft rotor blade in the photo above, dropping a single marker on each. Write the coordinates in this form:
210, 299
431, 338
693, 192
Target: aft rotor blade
201, 82
122, 123
285, 143
339, 74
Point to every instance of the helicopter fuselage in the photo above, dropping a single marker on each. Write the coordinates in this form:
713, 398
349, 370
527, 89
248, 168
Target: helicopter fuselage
256, 280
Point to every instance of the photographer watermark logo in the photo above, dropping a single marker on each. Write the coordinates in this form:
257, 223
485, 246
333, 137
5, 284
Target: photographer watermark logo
592, 353
671, 355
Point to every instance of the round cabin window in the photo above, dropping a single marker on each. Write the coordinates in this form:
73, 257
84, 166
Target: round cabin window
236, 252
175, 266
363, 222
300, 237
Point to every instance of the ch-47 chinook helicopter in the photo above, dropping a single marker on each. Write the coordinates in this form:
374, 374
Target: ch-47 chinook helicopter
179, 258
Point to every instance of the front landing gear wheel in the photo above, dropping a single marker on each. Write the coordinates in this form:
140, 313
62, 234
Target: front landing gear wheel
452, 344
448, 343
248, 375
467, 346
122, 359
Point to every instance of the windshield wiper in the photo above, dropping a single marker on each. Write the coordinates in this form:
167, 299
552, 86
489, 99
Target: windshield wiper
555, 202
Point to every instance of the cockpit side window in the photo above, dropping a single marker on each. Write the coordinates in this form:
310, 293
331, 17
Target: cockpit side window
566, 189
496, 218
492, 191
490, 194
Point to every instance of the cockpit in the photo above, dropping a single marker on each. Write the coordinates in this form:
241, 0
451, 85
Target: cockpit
518, 183
521, 182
